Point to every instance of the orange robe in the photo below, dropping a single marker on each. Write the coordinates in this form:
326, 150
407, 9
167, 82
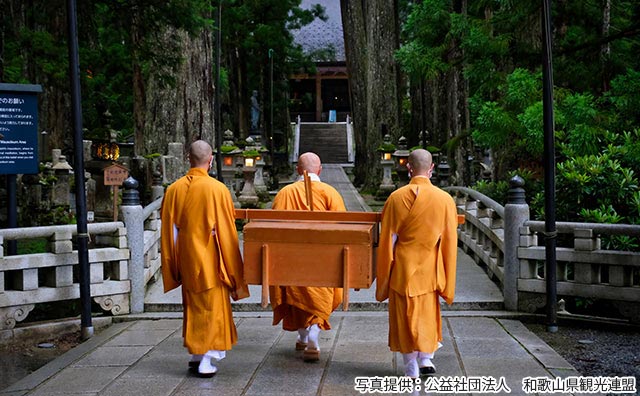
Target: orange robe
416, 263
200, 251
299, 307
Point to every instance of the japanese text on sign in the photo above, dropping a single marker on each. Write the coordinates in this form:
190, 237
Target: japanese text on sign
115, 175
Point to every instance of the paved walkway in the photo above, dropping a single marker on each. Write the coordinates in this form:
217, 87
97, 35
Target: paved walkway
143, 354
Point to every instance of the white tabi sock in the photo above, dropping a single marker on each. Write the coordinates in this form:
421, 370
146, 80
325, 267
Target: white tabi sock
205, 366
424, 359
411, 364
314, 332
303, 335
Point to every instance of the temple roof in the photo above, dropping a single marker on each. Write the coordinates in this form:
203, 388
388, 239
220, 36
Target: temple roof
321, 35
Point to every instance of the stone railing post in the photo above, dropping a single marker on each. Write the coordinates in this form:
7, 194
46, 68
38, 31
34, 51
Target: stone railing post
132, 215
516, 212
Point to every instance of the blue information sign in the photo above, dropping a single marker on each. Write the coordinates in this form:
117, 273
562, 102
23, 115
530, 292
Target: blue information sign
19, 129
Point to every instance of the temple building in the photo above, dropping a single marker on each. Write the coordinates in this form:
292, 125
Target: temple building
318, 97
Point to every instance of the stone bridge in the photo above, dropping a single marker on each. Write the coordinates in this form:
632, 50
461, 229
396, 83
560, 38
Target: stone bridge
124, 257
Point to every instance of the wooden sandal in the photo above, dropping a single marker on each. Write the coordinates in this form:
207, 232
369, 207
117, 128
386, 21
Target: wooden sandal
301, 346
311, 355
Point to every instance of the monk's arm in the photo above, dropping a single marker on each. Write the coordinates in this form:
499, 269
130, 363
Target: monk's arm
230, 251
449, 246
384, 262
170, 276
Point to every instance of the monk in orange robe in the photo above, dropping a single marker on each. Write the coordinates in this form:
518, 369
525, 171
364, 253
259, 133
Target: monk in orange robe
416, 264
306, 309
200, 252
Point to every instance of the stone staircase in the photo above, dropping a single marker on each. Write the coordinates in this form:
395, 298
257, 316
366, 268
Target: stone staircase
328, 140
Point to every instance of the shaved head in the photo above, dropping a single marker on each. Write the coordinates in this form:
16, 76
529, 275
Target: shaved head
200, 154
420, 162
309, 162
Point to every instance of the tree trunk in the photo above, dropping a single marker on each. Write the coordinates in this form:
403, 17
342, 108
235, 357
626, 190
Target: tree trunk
56, 98
383, 107
237, 88
371, 39
355, 43
184, 112
139, 98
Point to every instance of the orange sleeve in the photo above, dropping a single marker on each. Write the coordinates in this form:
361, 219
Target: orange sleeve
449, 247
169, 262
231, 260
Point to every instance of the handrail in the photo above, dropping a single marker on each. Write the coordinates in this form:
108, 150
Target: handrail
488, 202
598, 228
153, 206
44, 231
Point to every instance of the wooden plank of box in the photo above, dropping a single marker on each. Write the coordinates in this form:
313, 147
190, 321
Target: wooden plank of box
365, 217
309, 253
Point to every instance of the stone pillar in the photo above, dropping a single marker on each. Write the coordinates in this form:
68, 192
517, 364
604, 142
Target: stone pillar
55, 156
86, 150
258, 180
157, 191
516, 212
62, 186
134, 222
173, 164
90, 192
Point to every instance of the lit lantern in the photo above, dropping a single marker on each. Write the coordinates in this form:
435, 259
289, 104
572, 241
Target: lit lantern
227, 160
107, 151
249, 162
386, 156
402, 155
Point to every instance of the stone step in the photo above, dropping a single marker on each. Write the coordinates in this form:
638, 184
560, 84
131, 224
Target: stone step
329, 141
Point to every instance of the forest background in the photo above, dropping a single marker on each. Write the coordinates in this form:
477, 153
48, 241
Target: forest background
467, 74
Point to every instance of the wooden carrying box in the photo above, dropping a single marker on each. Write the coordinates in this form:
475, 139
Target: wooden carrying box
303, 248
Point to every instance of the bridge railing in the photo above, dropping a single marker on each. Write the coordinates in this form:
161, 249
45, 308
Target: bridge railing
29, 279
511, 247
123, 258
584, 268
482, 234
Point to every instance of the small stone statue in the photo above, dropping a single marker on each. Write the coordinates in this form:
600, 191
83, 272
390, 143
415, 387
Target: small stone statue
255, 111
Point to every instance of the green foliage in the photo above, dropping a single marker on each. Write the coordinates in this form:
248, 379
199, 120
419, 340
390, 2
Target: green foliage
494, 190
427, 35
250, 153
228, 149
58, 215
32, 246
499, 190
593, 188
386, 147
625, 99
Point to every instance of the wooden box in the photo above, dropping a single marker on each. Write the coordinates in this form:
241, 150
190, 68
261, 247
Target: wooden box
307, 253
326, 249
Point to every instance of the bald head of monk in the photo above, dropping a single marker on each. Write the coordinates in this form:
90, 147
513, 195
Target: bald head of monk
420, 163
200, 154
309, 162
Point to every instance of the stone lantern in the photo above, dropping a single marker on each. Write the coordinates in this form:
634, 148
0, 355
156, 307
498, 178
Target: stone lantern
229, 151
248, 197
444, 171
62, 171
386, 160
401, 156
